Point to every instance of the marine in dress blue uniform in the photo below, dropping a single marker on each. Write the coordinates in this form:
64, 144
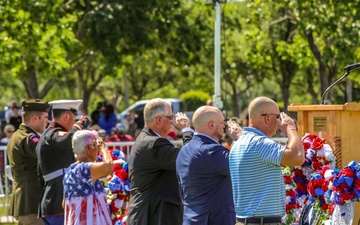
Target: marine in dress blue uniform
55, 154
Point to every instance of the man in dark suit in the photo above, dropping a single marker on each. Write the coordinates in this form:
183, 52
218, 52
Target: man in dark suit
203, 171
155, 198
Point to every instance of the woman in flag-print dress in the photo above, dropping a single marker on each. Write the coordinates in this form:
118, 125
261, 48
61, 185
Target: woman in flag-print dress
84, 195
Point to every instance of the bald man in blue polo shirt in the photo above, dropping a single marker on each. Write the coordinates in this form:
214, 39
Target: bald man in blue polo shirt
255, 164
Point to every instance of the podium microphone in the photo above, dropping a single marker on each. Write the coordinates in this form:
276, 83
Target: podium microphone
352, 67
348, 69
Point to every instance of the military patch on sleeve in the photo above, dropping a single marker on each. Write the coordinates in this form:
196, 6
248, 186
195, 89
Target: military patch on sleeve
61, 133
34, 138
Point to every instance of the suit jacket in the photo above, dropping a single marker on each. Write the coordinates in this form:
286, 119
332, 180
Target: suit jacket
23, 160
155, 198
203, 171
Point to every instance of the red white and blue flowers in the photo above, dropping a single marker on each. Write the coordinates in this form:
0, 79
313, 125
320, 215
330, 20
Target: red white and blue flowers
118, 188
309, 179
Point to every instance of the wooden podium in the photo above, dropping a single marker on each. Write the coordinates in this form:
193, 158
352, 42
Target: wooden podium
339, 126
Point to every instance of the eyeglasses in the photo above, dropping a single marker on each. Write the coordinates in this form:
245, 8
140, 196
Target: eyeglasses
170, 117
277, 115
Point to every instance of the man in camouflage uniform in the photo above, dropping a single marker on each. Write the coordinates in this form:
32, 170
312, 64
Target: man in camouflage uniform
55, 154
23, 161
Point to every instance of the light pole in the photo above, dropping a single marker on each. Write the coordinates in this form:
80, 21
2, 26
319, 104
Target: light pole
217, 102
217, 57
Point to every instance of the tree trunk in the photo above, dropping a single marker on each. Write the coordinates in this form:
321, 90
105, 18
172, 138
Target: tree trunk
310, 86
31, 85
324, 81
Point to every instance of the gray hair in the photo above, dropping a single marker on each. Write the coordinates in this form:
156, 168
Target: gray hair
155, 107
8, 128
81, 139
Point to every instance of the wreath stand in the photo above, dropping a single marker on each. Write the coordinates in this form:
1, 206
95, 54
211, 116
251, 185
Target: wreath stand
339, 126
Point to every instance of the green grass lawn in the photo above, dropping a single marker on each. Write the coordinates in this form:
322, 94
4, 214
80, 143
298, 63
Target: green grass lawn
3, 211
3, 206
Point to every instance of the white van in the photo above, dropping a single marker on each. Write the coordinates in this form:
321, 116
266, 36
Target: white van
177, 106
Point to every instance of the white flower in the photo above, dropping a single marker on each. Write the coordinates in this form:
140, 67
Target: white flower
302, 200
118, 203
289, 187
287, 199
332, 197
328, 174
310, 153
321, 152
297, 213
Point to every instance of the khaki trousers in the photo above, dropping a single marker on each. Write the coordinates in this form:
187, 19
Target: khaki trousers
30, 219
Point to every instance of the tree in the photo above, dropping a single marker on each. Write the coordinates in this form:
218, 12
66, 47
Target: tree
331, 30
29, 28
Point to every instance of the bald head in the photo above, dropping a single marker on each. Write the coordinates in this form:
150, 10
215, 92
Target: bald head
209, 120
262, 105
263, 114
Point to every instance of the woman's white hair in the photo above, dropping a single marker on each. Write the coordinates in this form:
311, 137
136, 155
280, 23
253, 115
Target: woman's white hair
81, 139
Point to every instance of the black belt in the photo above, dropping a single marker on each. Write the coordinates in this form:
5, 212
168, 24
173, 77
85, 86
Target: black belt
258, 220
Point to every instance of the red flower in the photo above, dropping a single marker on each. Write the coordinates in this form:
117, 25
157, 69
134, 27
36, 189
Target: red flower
291, 193
325, 185
331, 207
357, 184
117, 166
348, 196
301, 186
289, 207
298, 173
122, 174
306, 145
316, 165
346, 172
324, 206
323, 170
318, 143
287, 179
114, 209
311, 188
121, 197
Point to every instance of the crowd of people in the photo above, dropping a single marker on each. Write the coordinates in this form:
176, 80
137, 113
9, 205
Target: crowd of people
56, 168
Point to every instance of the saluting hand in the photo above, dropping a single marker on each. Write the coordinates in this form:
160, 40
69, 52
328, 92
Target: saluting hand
287, 123
181, 121
233, 129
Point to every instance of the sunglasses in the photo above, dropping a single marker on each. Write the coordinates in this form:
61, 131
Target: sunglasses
170, 117
277, 115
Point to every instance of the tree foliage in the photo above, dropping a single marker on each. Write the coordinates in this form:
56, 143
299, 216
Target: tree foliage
123, 51
34, 35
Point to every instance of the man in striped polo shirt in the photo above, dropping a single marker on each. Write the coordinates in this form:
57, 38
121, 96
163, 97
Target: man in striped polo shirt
255, 164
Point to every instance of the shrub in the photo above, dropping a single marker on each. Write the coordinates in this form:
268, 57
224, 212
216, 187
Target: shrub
194, 99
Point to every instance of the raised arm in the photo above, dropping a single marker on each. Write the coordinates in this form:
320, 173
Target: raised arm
294, 152
104, 168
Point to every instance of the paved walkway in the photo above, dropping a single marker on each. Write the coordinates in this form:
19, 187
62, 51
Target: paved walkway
7, 220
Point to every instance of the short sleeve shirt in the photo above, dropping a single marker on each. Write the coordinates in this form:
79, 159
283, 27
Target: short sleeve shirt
257, 181
85, 199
